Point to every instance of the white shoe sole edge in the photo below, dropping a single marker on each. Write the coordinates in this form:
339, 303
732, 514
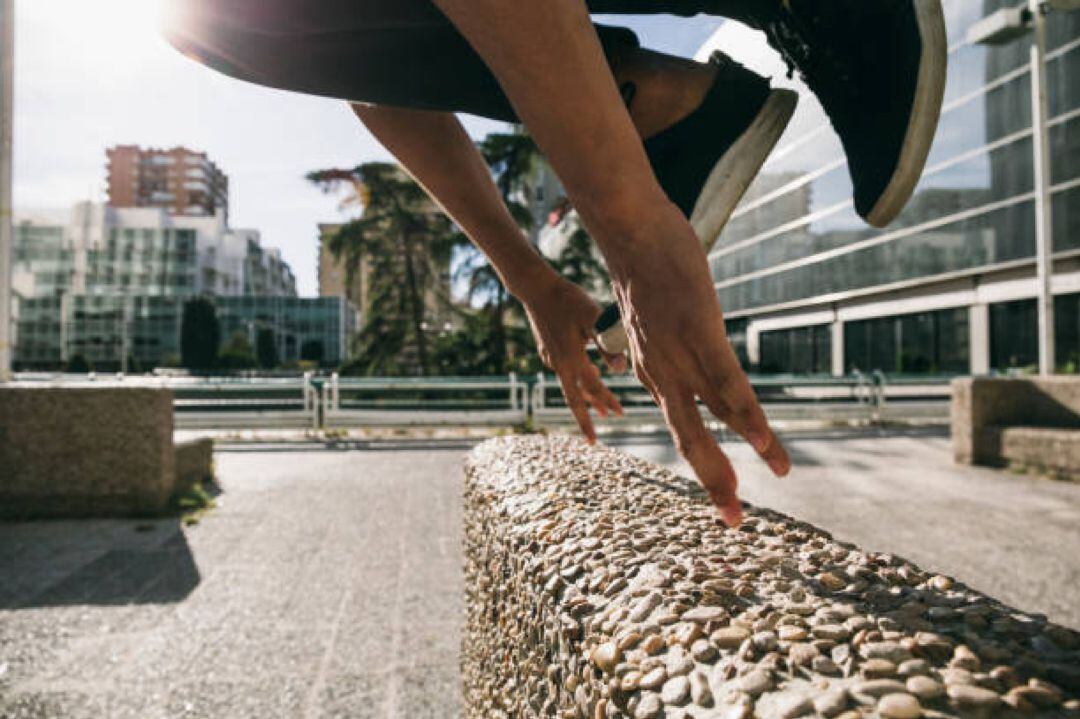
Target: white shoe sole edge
727, 182
925, 111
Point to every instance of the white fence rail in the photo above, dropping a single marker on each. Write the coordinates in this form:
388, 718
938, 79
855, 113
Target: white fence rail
858, 397
412, 401
334, 402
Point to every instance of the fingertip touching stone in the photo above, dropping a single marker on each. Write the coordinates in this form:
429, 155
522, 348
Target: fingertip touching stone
599, 586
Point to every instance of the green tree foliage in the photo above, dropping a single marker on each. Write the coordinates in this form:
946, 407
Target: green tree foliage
200, 334
266, 348
406, 243
512, 158
237, 354
580, 264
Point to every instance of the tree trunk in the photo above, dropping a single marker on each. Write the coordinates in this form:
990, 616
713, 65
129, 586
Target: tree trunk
416, 303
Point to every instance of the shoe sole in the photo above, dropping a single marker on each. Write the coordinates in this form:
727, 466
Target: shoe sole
925, 111
726, 184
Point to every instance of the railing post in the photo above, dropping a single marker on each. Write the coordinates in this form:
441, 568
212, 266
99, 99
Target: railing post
306, 389
879, 394
513, 391
335, 397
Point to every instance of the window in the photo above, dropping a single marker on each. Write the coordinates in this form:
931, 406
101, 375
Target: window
1014, 340
800, 350
1067, 333
920, 343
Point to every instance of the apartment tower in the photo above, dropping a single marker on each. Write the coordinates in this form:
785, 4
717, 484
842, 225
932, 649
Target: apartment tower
178, 180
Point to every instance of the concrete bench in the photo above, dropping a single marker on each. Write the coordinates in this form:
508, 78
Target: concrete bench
599, 585
1028, 421
90, 451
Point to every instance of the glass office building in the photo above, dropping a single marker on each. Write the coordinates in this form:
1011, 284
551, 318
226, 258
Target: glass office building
145, 330
950, 285
109, 285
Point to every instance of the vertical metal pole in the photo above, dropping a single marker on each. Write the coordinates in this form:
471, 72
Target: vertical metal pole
836, 342
7, 97
124, 335
1043, 227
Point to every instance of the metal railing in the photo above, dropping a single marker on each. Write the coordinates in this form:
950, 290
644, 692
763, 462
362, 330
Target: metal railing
311, 402
291, 403
859, 397
423, 401
214, 402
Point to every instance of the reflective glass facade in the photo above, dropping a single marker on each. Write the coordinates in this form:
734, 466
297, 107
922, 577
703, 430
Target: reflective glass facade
795, 242
922, 342
147, 329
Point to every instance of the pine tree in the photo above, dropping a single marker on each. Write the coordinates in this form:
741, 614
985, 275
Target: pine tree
406, 244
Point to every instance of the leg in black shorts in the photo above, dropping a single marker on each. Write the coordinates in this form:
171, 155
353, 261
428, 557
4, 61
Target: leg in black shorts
403, 53
877, 66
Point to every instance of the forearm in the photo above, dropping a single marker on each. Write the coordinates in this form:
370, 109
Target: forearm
549, 62
435, 149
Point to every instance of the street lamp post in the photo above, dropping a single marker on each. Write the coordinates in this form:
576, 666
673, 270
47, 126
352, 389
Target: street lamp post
7, 96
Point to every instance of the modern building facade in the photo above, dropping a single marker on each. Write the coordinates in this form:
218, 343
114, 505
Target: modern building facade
109, 284
113, 331
99, 249
179, 180
950, 286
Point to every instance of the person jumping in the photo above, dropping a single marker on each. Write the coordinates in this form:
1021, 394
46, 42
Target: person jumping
654, 151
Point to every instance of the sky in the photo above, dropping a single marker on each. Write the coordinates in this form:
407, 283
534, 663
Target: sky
95, 73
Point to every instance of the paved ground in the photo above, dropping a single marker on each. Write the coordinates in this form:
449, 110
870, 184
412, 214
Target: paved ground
1014, 537
327, 584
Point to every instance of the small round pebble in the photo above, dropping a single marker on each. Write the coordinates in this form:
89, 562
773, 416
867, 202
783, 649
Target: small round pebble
676, 691
606, 656
649, 707
924, 688
972, 697
899, 706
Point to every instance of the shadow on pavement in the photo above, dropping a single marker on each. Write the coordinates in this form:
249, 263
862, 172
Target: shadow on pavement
94, 562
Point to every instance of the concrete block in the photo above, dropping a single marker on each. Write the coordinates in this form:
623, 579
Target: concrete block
600, 585
983, 406
1052, 450
194, 463
78, 452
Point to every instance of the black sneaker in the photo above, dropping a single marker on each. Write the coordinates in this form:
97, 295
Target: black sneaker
706, 161
878, 68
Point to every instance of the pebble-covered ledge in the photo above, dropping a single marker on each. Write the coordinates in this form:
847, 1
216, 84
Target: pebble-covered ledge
599, 585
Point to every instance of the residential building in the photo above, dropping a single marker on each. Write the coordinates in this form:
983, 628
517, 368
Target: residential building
179, 180
333, 278
950, 286
98, 249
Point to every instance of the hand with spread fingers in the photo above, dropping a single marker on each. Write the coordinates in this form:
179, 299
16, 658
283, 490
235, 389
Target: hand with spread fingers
681, 354
562, 316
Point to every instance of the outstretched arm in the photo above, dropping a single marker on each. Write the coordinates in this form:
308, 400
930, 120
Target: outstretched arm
548, 60
437, 152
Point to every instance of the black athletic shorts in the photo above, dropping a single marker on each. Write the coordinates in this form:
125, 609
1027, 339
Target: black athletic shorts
401, 53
